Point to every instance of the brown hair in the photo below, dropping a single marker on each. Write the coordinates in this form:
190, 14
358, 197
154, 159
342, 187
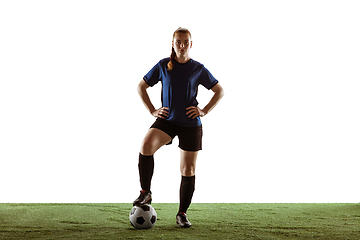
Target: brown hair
170, 64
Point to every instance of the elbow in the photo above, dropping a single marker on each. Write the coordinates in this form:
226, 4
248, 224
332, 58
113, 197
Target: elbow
218, 90
142, 86
138, 88
222, 93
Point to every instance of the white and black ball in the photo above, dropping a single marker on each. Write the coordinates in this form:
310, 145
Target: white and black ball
143, 217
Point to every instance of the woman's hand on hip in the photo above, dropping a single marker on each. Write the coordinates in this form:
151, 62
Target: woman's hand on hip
194, 112
161, 112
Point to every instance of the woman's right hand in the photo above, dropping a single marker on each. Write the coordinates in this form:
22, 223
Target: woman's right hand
161, 112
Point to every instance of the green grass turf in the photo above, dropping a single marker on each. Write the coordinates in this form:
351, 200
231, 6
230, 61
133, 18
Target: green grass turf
210, 221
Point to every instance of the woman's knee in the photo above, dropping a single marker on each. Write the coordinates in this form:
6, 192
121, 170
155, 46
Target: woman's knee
153, 140
188, 163
147, 148
188, 171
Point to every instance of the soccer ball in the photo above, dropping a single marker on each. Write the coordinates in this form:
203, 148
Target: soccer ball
143, 217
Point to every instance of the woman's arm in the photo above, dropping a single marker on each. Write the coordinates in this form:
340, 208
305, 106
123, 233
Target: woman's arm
161, 112
194, 112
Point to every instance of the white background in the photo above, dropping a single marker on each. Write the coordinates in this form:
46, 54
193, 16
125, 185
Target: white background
71, 121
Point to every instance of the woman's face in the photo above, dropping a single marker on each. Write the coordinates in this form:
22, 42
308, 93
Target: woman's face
182, 44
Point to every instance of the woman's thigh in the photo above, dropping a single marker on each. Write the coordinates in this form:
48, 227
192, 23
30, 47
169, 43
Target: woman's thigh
154, 139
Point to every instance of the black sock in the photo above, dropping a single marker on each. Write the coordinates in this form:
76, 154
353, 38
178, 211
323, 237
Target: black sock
187, 188
146, 170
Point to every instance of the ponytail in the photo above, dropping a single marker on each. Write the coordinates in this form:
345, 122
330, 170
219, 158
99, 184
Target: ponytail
170, 64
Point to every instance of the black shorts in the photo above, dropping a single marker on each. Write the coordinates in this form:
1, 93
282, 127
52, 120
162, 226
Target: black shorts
190, 138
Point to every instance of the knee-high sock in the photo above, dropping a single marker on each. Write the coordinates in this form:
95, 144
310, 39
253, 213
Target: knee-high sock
187, 188
146, 170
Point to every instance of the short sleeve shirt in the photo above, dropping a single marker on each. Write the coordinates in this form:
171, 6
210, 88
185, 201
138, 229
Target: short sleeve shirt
180, 88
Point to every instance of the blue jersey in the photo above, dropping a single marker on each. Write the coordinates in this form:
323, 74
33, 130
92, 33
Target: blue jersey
180, 87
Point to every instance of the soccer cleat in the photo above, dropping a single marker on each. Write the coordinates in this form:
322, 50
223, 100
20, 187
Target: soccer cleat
144, 198
182, 221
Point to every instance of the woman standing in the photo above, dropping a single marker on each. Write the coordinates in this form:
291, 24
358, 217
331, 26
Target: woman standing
179, 116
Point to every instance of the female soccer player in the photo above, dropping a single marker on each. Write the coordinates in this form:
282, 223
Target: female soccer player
179, 116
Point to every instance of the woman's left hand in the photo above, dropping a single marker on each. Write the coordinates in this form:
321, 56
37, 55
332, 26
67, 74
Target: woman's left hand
194, 112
